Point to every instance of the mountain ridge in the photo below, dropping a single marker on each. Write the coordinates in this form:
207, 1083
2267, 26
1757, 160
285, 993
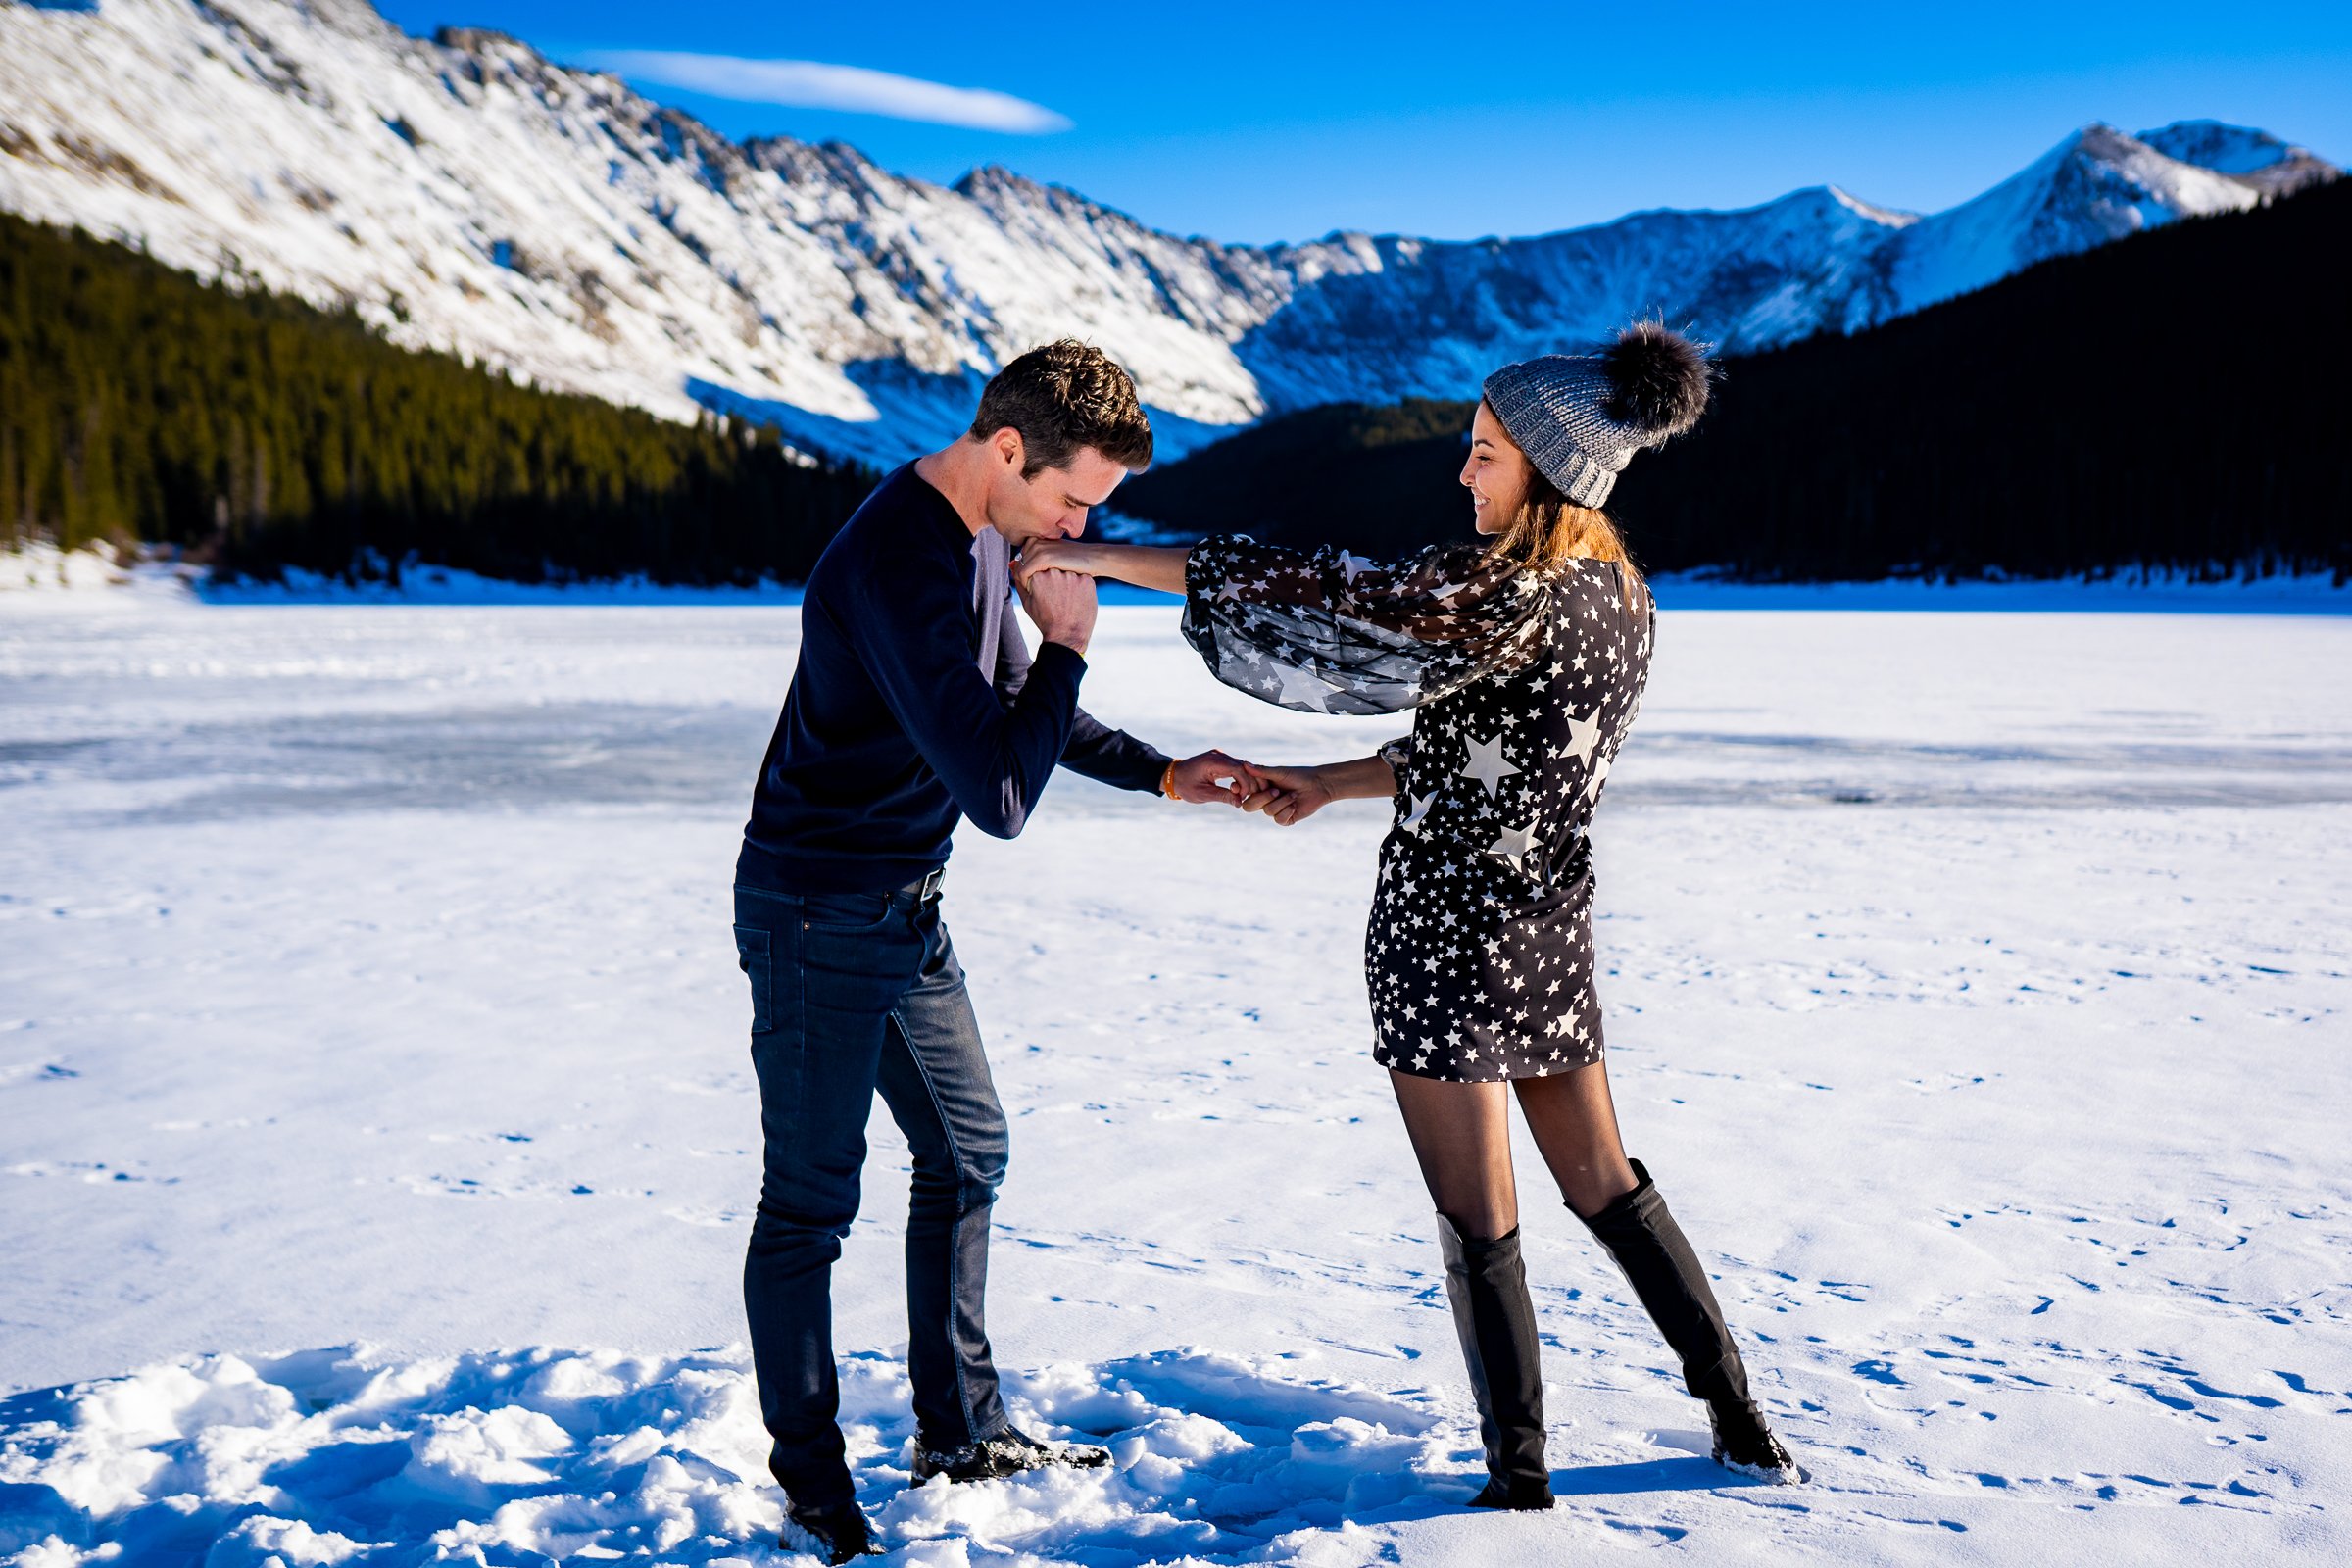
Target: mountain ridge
466, 193
2005, 432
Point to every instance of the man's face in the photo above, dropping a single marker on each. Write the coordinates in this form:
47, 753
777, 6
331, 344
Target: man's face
1052, 502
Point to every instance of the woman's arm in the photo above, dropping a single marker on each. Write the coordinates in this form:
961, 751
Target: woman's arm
1145, 565
1324, 631
1290, 795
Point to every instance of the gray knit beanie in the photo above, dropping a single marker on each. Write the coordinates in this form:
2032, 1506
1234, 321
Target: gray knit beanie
1581, 418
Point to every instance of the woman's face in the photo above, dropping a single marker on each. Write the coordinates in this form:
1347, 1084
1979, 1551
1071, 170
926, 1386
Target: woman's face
1495, 472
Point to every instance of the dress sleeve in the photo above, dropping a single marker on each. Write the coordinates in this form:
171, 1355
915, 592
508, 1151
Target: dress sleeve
1327, 632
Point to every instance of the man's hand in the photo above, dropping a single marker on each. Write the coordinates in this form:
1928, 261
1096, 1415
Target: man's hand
1288, 795
1062, 603
1197, 779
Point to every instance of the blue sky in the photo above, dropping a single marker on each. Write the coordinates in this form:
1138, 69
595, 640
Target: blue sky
1284, 121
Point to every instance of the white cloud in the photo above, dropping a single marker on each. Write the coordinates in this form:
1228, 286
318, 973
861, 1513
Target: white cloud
809, 84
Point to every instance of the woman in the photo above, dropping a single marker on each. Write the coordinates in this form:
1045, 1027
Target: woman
1526, 659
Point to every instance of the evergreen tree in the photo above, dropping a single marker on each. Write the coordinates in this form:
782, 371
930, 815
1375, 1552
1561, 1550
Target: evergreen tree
138, 403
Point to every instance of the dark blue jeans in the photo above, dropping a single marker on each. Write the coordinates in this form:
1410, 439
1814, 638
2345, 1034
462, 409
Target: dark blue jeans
852, 992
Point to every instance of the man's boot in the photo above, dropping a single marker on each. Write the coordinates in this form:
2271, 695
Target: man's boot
834, 1534
1487, 1283
1641, 1233
1008, 1453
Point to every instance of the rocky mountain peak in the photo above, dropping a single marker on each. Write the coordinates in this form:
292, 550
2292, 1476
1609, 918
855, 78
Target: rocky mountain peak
468, 193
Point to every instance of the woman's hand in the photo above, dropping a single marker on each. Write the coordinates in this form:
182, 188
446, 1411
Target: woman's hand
1290, 794
1057, 555
1145, 565
1293, 793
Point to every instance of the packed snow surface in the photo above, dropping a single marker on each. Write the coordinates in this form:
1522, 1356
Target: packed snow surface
378, 1139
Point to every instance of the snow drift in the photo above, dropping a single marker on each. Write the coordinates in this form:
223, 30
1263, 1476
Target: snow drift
327, 1456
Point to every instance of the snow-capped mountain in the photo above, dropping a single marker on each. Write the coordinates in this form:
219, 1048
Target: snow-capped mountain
2274, 165
466, 193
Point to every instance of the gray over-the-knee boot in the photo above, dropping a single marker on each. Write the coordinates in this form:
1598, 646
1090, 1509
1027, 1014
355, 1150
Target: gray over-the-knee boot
1641, 1233
1487, 1283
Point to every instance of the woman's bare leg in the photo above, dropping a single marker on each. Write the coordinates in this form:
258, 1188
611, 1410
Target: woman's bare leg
1575, 1126
1462, 1136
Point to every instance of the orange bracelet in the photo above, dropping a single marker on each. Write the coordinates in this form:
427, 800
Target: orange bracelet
1167, 781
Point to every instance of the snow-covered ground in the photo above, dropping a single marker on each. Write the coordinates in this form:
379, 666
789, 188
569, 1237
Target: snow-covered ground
39, 567
377, 1137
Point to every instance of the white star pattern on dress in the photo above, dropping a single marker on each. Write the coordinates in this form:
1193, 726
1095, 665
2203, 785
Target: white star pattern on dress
1601, 773
1513, 843
1304, 686
1583, 735
1488, 766
1521, 688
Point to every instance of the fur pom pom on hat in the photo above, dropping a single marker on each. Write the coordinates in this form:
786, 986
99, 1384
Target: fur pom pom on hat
1581, 418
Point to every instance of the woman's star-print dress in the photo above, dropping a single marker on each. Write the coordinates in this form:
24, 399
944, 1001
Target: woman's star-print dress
1479, 949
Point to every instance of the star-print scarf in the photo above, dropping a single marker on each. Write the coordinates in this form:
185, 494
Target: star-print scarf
1328, 632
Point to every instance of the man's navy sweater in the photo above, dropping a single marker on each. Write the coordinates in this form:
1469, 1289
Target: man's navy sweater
890, 730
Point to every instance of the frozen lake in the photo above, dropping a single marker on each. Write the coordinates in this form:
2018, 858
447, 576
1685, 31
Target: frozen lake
378, 1139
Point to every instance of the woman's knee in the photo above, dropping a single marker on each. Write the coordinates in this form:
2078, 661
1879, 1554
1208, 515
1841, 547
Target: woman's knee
1483, 1220
1596, 1177
1589, 1192
1460, 1135
1575, 1127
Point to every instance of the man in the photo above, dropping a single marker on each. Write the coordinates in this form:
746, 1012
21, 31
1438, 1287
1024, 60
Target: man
915, 702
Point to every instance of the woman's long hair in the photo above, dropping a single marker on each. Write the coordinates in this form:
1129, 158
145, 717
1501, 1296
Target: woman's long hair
1550, 530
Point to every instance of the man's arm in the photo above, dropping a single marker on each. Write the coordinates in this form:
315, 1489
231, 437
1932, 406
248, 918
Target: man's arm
1111, 756
995, 758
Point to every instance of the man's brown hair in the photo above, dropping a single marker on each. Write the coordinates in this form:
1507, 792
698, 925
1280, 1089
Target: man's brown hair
1062, 397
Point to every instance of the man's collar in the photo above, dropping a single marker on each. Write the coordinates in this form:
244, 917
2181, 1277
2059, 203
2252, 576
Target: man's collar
952, 529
